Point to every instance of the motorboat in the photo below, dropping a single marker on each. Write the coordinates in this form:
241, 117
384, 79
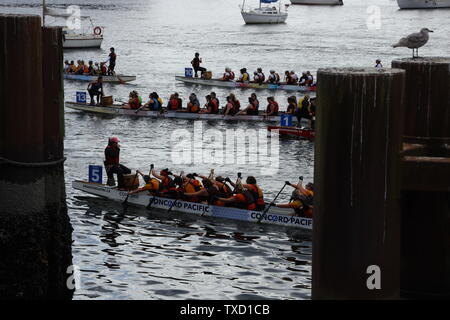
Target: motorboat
423, 4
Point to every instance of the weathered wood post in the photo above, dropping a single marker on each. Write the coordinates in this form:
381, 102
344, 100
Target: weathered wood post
425, 264
356, 238
35, 232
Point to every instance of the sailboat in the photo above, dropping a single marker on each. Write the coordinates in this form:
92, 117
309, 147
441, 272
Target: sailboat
319, 2
72, 39
264, 14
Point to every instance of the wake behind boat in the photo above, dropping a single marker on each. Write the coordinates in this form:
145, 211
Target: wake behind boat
274, 216
245, 85
111, 79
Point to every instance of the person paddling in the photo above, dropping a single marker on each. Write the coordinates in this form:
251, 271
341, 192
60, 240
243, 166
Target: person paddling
151, 185
253, 106
301, 200
167, 187
272, 107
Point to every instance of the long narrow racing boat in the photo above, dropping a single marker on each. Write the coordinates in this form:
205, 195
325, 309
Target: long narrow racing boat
111, 79
274, 216
118, 110
234, 84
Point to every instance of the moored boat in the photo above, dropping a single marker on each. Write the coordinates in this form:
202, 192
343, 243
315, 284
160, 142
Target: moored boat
294, 131
274, 216
423, 4
234, 84
111, 79
263, 14
319, 2
118, 110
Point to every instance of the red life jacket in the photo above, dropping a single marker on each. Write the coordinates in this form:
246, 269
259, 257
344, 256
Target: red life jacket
112, 155
257, 193
236, 105
249, 202
276, 107
167, 185
215, 105
174, 104
231, 75
103, 69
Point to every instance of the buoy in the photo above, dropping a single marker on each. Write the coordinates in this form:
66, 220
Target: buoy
97, 31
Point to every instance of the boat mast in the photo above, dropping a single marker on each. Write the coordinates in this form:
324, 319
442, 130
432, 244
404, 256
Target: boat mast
43, 13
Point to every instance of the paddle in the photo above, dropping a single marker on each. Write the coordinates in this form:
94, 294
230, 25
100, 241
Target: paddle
177, 196
153, 198
125, 202
273, 201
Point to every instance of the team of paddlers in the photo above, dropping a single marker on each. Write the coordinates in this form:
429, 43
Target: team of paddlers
211, 189
289, 77
305, 107
92, 69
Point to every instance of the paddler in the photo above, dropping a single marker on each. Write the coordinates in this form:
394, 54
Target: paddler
209, 107
292, 105
272, 107
155, 102
112, 163
167, 187
208, 193
256, 191
133, 102
193, 105
243, 199
175, 103
244, 76
95, 88
303, 109
151, 185
301, 200
252, 107
273, 78
228, 75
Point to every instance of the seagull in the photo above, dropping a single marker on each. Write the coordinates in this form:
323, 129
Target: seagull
414, 41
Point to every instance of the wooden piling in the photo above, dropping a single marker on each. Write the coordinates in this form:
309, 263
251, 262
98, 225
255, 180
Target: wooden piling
35, 241
357, 186
425, 264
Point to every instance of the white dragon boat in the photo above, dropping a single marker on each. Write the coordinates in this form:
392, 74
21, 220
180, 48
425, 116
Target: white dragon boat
273, 216
244, 85
118, 110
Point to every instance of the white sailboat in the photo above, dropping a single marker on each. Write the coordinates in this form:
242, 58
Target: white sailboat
91, 38
423, 4
264, 14
319, 2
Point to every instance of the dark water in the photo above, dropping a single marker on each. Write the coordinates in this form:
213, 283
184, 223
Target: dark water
154, 255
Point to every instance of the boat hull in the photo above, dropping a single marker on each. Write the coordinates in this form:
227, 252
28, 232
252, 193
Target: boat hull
423, 4
80, 41
110, 79
254, 18
233, 84
319, 2
274, 216
117, 110
293, 131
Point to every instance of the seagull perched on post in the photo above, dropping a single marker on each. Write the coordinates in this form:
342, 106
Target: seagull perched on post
414, 41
